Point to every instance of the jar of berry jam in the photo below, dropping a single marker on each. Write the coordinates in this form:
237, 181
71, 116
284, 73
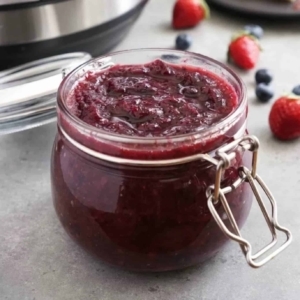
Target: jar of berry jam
152, 166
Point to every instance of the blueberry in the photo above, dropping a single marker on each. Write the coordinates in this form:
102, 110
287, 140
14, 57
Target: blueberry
263, 76
170, 57
264, 92
183, 41
254, 30
296, 90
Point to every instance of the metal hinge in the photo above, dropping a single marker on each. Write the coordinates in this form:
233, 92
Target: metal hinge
217, 194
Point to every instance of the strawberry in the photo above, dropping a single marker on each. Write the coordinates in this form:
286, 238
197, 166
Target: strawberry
188, 13
284, 117
244, 51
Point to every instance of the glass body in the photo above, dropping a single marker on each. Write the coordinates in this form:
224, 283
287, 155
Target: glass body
144, 218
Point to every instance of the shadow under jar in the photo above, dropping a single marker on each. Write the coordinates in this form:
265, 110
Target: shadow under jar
140, 202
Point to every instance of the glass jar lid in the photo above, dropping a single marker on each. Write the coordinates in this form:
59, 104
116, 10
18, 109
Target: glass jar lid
28, 92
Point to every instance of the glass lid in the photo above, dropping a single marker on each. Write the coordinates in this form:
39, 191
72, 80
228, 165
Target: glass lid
28, 92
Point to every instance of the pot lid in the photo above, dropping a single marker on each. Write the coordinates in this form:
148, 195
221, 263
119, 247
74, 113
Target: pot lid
28, 92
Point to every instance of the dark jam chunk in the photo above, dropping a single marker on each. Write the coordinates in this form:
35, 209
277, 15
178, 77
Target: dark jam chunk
156, 99
136, 217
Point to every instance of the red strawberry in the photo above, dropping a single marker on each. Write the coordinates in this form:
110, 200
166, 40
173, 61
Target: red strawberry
284, 117
188, 13
244, 51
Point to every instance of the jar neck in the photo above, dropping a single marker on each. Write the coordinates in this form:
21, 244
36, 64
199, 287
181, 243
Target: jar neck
166, 152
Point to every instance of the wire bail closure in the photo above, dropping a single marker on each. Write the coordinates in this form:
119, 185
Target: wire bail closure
217, 194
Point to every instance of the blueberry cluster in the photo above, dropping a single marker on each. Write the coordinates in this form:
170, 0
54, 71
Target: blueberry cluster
264, 91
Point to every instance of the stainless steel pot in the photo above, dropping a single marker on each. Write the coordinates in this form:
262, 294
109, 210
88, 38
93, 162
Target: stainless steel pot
33, 29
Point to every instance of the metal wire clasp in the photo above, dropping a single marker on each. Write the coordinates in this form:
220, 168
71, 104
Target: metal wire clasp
217, 194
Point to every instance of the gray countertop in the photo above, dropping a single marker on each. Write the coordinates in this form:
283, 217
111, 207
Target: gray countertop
39, 261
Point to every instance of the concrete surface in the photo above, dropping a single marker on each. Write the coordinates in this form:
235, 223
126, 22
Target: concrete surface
38, 260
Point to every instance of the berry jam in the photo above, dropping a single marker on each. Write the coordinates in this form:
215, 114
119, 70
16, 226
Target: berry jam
152, 100
137, 217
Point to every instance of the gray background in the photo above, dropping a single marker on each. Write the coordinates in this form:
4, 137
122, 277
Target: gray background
38, 260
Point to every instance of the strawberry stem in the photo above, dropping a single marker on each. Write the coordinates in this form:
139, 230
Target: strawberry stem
206, 9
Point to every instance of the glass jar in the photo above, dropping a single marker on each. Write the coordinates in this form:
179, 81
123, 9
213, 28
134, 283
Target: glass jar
153, 204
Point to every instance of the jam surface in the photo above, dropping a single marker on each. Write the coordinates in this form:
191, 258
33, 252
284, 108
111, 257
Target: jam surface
152, 100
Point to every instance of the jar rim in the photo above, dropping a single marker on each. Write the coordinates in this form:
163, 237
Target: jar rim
109, 136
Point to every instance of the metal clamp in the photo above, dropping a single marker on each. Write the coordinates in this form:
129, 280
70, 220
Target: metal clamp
217, 194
